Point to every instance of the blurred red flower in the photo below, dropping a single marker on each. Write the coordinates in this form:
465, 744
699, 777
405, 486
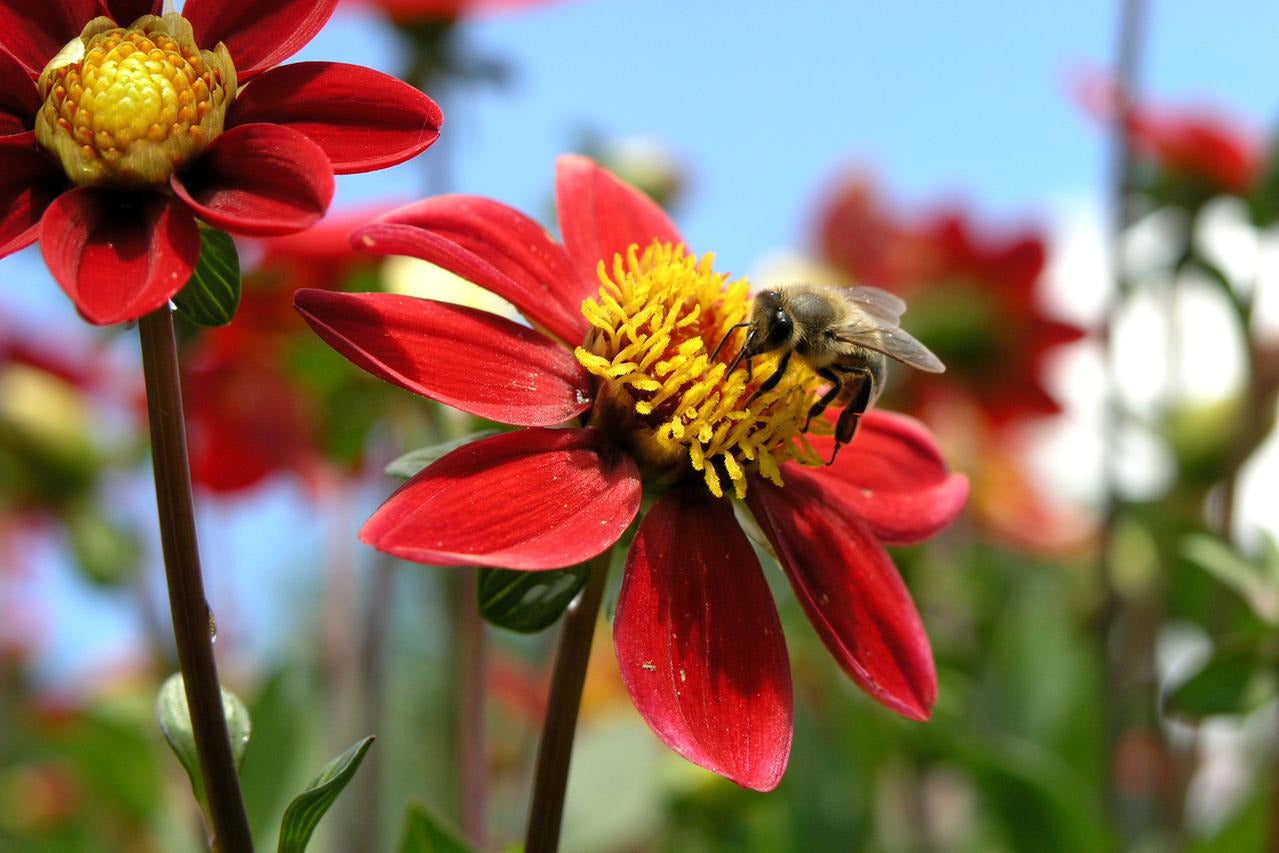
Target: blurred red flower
975, 297
1195, 144
108, 162
248, 416
624, 323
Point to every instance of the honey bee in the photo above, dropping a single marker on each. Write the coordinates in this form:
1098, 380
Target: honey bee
845, 334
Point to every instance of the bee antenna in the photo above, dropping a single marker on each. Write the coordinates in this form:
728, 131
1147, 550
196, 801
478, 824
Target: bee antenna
719, 346
750, 336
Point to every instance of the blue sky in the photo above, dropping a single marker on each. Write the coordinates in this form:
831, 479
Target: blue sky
763, 102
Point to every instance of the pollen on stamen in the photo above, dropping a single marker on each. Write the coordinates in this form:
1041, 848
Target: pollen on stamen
658, 315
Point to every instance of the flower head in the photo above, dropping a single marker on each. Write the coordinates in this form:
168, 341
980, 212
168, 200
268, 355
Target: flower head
119, 130
625, 320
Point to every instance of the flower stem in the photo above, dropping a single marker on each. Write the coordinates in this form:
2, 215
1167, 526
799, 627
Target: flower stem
554, 751
472, 762
190, 611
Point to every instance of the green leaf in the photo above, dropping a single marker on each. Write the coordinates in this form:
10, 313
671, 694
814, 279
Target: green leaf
175, 722
424, 832
527, 601
1257, 584
212, 294
304, 813
411, 463
1229, 683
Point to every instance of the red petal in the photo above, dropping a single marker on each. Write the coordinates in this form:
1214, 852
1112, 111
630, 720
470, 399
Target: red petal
893, 477
851, 592
532, 499
35, 32
363, 119
699, 642
494, 246
119, 256
29, 182
19, 98
125, 12
466, 358
260, 180
258, 34
601, 216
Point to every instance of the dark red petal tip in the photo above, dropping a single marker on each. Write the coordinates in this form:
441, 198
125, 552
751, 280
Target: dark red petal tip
29, 182
119, 256
699, 642
532, 499
601, 215
363, 119
467, 358
34, 32
259, 179
494, 246
258, 35
851, 591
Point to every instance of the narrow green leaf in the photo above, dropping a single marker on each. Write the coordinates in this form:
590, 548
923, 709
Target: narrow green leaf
1258, 585
1230, 682
414, 461
527, 601
304, 813
175, 722
212, 294
424, 832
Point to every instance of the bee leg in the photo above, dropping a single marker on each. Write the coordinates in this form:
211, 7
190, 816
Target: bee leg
846, 426
836, 385
771, 382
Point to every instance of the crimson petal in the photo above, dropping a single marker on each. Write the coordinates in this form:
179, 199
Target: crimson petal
29, 182
851, 591
125, 12
601, 215
699, 642
466, 358
119, 256
35, 32
259, 179
892, 475
532, 499
259, 35
492, 245
363, 119
19, 98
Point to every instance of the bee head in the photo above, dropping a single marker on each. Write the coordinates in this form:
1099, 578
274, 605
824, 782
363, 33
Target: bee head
771, 323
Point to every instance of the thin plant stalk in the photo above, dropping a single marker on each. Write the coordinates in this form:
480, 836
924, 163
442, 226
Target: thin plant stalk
192, 619
1114, 654
555, 750
472, 758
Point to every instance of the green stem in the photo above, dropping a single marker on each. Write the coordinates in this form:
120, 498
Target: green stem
472, 762
555, 750
192, 618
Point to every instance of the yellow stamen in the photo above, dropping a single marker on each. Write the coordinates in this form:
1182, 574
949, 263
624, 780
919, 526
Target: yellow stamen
658, 316
128, 107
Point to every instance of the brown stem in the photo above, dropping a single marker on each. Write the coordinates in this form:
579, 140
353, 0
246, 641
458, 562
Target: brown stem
555, 750
472, 760
1132, 15
191, 616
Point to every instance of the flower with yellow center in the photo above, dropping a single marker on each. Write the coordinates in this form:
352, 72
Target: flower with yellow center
654, 324
617, 395
118, 132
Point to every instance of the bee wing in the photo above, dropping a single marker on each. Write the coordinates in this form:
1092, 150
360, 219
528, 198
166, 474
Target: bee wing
880, 304
893, 342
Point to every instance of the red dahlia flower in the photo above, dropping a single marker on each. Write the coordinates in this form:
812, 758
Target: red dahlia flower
116, 138
624, 323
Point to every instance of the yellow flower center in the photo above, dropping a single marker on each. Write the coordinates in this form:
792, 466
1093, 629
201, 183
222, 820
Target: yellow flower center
657, 318
127, 107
